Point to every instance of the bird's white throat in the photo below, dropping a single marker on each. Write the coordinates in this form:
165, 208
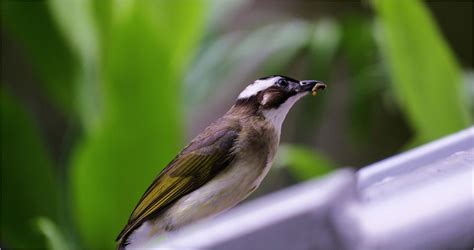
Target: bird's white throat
277, 116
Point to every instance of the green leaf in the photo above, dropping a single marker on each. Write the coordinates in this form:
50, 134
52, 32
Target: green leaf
28, 183
76, 21
324, 44
54, 237
302, 162
367, 77
148, 46
425, 75
30, 23
238, 54
288, 39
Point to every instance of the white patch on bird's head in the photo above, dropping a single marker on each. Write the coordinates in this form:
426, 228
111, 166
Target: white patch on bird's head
276, 116
257, 86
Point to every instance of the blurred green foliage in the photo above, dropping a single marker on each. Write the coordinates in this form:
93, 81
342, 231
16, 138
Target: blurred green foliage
122, 73
366, 73
55, 239
425, 75
29, 185
134, 80
302, 162
54, 63
125, 89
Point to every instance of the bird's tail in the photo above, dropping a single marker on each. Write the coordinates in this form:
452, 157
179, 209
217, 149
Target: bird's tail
122, 244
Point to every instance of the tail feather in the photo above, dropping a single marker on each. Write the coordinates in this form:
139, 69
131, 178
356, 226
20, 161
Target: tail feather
122, 243
123, 237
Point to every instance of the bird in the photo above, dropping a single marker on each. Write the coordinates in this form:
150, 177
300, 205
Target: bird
222, 165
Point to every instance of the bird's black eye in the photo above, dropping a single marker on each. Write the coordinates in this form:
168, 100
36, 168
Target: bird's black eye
282, 83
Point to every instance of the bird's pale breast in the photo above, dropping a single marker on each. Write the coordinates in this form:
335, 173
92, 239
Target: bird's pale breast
257, 148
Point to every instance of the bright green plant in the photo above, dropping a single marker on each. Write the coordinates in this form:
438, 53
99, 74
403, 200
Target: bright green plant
28, 182
424, 73
114, 69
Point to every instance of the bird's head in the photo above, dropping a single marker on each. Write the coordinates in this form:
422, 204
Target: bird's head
273, 96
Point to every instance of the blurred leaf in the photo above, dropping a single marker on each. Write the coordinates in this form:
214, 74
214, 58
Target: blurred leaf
324, 45
75, 20
302, 162
425, 75
141, 126
366, 75
287, 40
53, 61
28, 183
208, 70
220, 10
238, 54
54, 237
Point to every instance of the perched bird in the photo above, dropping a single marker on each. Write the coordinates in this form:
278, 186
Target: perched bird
222, 165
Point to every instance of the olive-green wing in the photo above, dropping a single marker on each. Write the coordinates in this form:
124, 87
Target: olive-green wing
204, 158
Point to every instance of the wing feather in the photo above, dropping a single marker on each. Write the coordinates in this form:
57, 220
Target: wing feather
192, 168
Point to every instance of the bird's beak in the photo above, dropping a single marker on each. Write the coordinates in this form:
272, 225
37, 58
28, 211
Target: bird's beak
313, 86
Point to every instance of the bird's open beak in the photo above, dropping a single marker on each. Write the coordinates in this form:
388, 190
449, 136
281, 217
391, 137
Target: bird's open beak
313, 86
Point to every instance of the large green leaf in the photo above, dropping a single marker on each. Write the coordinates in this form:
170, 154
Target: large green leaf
148, 44
425, 75
76, 21
54, 63
28, 184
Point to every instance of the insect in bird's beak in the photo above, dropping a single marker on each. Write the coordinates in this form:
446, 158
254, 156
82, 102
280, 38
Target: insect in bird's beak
318, 87
312, 86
